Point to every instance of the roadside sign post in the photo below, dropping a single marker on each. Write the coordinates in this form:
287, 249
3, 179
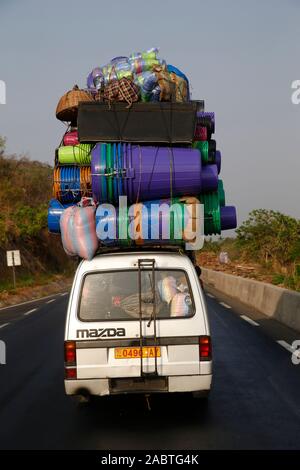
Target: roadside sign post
14, 272
13, 259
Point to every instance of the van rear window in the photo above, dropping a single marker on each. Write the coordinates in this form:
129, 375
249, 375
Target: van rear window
115, 295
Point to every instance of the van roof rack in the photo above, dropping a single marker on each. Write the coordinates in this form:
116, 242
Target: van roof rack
135, 249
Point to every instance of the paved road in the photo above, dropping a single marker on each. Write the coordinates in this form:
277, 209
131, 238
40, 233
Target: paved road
254, 404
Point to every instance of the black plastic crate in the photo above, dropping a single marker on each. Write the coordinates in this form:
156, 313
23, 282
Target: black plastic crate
159, 122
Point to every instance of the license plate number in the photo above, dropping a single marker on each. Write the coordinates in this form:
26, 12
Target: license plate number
133, 353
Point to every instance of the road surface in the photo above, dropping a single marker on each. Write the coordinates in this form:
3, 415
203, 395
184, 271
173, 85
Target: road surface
254, 403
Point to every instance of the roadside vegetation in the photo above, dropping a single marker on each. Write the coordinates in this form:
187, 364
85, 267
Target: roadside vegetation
25, 190
266, 248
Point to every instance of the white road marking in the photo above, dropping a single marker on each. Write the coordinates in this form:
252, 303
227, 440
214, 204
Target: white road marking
224, 305
64, 293
28, 302
249, 320
50, 301
30, 311
210, 295
4, 325
285, 345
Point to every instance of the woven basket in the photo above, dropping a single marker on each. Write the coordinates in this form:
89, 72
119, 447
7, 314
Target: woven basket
121, 90
67, 107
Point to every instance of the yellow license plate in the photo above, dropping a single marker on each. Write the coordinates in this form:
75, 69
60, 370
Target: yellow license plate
134, 353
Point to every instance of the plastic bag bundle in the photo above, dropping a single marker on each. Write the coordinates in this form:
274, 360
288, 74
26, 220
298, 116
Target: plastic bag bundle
117, 68
147, 81
132, 68
122, 68
171, 69
98, 79
139, 78
149, 84
120, 63
90, 80
78, 231
141, 65
124, 74
108, 74
167, 86
167, 288
119, 60
180, 305
111, 72
155, 95
173, 87
90, 83
146, 55
181, 88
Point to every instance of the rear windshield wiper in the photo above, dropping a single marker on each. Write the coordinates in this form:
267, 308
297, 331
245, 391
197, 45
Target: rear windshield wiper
150, 319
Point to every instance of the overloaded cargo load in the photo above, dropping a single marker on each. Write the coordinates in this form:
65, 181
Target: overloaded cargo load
134, 134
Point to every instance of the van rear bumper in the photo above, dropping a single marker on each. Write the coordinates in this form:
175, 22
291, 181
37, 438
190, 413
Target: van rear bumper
101, 387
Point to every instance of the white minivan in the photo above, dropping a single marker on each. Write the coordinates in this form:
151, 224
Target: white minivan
137, 323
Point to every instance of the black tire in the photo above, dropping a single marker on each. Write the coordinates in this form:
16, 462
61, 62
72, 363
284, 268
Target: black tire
82, 401
201, 395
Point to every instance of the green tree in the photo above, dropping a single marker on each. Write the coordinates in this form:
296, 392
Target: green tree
270, 236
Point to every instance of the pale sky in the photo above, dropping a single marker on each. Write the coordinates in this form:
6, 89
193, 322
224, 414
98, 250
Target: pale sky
240, 57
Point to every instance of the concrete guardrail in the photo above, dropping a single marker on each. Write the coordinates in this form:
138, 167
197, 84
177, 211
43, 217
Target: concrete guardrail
280, 304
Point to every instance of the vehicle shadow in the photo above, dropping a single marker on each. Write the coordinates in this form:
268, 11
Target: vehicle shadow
131, 419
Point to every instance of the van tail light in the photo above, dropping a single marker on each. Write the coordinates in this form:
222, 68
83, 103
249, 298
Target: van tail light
70, 360
205, 351
70, 373
70, 352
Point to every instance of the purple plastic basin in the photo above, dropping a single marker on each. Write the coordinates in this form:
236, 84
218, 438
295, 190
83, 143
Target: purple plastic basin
155, 172
228, 217
162, 171
209, 178
218, 160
